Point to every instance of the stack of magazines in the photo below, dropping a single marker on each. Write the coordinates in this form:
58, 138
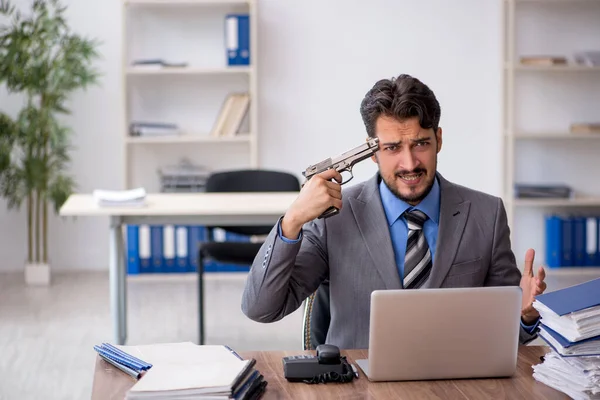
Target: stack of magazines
186, 371
570, 324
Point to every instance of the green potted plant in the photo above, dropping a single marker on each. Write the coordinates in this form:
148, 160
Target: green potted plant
42, 62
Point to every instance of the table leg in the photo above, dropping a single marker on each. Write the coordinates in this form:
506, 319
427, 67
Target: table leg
118, 288
200, 298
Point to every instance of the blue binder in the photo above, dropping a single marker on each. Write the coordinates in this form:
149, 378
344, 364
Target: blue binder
169, 249
133, 255
145, 249
196, 234
567, 242
573, 298
181, 248
592, 253
553, 241
237, 38
565, 343
156, 240
579, 241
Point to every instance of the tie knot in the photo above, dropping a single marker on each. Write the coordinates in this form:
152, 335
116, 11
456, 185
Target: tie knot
415, 219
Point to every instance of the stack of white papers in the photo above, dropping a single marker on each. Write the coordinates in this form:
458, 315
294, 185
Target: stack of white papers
570, 324
120, 198
577, 377
189, 371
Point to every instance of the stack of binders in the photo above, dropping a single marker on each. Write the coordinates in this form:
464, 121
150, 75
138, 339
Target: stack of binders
570, 324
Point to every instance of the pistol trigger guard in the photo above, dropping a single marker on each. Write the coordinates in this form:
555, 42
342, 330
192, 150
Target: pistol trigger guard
349, 169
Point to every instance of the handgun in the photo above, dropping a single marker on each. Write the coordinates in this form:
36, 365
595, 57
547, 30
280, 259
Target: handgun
343, 163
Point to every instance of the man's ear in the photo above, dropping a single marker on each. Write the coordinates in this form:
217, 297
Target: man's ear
438, 139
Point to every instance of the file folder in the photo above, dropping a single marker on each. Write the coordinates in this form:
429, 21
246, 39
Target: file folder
237, 37
156, 240
591, 241
133, 251
567, 348
572, 299
144, 249
553, 241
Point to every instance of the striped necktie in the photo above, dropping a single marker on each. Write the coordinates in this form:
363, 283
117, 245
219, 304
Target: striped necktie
417, 262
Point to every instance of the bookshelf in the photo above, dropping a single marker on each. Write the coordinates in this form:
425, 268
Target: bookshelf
190, 93
540, 102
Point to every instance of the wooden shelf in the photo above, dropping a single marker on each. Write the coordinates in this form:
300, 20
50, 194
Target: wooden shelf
556, 135
188, 71
552, 1
186, 2
572, 271
577, 202
188, 138
555, 68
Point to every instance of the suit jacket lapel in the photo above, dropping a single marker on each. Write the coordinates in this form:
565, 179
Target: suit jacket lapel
454, 211
370, 217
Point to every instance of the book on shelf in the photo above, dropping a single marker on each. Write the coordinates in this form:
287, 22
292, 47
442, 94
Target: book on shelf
543, 60
153, 129
157, 63
588, 58
232, 115
541, 191
593, 127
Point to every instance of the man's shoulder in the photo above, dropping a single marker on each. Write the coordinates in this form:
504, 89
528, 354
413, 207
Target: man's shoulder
476, 197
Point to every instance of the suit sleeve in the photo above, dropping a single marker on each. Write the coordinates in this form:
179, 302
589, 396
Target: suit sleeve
285, 272
504, 270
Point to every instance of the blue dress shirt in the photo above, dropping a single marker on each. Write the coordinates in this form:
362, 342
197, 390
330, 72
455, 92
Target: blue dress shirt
394, 209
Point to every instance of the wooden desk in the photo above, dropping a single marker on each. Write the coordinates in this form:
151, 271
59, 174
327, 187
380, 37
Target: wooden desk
259, 208
110, 383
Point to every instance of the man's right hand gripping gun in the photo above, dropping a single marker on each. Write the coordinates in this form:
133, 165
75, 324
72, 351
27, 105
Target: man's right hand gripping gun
342, 163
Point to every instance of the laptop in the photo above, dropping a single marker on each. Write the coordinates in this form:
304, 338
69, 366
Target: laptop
443, 333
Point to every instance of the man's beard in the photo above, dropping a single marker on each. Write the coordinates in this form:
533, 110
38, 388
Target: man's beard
414, 197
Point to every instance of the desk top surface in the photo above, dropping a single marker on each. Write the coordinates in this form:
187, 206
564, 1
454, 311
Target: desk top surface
173, 204
110, 383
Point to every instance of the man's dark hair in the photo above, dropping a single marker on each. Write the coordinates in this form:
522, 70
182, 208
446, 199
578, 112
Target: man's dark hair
402, 97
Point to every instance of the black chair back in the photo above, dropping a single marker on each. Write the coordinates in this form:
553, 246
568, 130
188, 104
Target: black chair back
251, 180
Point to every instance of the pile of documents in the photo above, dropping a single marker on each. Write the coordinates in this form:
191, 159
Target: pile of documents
186, 371
570, 324
120, 198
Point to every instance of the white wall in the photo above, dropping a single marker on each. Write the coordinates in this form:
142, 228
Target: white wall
316, 63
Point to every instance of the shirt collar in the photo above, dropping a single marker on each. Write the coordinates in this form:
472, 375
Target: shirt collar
394, 207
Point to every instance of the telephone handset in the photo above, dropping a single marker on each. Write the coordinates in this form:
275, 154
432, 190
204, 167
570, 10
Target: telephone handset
326, 366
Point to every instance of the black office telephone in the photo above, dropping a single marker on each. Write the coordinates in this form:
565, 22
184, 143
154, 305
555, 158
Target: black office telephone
326, 366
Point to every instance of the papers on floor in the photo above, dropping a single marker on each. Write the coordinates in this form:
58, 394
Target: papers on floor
570, 324
186, 371
120, 198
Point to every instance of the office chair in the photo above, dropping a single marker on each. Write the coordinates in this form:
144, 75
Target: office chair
316, 318
240, 253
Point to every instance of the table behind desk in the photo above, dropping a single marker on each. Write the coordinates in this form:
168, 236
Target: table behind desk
110, 383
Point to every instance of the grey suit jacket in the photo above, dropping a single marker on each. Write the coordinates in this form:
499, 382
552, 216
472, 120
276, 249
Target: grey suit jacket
354, 249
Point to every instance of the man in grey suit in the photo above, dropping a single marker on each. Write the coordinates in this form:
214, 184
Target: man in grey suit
405, 228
